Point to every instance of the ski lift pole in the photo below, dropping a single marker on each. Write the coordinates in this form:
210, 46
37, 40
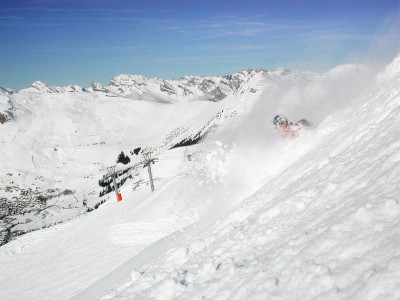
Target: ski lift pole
148, 162
151, 178
115, 185
113, 174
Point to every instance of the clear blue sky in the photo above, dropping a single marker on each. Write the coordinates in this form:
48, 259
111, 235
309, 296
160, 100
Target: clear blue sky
62, 42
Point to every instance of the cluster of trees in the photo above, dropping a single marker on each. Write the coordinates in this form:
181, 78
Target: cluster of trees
109, 188
104, 183
124, 159
96, 206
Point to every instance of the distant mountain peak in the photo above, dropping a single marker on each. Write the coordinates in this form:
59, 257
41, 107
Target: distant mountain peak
186, 88
97, 87
40, 86
6, 90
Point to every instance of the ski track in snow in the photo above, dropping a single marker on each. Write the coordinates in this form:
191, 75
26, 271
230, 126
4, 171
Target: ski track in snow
315, 217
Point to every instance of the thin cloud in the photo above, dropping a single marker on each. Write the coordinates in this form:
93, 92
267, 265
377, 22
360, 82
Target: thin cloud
159, 20
91, 49
230, 33
103, 18
10, 18
46, 9
312, 31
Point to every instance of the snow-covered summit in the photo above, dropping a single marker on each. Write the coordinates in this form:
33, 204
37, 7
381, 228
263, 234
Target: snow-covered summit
39, 87
4, 90
97, 87
128, 80
74, 88
214, 88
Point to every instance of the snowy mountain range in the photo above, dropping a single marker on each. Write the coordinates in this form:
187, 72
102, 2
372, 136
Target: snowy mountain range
237, 211
187, 88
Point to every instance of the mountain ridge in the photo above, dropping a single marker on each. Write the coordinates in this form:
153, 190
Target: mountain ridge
186, 88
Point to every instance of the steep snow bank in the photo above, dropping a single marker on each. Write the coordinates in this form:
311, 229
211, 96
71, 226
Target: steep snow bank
328, 227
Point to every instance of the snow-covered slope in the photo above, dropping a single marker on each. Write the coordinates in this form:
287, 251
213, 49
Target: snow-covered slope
59, 141
327, 227
241, 215
57, 147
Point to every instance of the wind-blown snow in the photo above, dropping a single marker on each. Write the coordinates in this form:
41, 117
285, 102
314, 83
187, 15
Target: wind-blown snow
249, 215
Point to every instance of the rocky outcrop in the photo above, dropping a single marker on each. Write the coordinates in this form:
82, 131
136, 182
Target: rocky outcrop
4, 118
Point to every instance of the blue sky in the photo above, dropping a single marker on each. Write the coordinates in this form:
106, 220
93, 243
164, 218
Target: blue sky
65, 42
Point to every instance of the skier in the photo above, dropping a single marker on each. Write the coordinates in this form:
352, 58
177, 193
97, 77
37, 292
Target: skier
288, 129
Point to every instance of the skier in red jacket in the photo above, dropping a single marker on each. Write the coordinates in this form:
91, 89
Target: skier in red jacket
288, 129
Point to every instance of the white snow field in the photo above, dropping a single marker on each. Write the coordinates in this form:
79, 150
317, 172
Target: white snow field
244, 214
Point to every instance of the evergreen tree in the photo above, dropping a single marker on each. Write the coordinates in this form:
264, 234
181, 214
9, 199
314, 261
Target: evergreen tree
122, 158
